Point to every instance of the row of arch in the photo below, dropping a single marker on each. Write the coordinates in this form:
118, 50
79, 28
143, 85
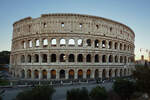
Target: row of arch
73, 58
72, 42
72, 74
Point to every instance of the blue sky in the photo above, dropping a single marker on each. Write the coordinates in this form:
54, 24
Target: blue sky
133, 13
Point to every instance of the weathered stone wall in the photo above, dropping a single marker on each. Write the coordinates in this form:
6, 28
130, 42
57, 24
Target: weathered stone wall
109, 54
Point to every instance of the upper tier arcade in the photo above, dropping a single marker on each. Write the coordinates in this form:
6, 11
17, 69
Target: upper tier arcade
74, 24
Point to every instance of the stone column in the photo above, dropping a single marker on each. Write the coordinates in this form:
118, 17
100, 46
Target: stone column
57, 74
32, 74
107, 73
76, 74
100, 73
40, 58
75, 58
48, 58
100, 58
100, 44
67, 42
113, 45
49, 42
118, 58
57, 42
113, 73
66, 74
92, 58
76, 42
48, 74
106, 44
92, 43
84, 74
32, 58
41, 42
92, 74
118, 73
40, 74
25, 73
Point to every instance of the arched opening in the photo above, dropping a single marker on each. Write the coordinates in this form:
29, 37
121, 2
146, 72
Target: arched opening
80, 74
125, 59
124, 46
103, 44
109, 45
116, 59
62, 74
116, 45
71, 42
28, 73
36, 58
22, 74
53, 74
110, 58
125, 72
110, 73
88, 41
104, 58
128, 73
36, 74
96, 74
44, 58
23, 44
71, 74
44, 25
120, 46
80, 58
29, 58
104, 74
96, 58
121, 74
88, 73
121, 59
53, 58
62, 58
44, 74
116, 72
62, 42
96, 43
88, 58
22, 59
37, 43
80, 43
53, 42
45, 42
71, 58
30, 44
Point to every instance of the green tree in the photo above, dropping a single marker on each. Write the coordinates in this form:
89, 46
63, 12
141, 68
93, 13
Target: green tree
142, 77
98, 93
124, 88
4, 57
37, 93
78, 94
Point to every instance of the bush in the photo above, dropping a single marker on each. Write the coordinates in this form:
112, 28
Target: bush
113, 95
4, 82
37, 93
142, 77
98, 93
124, 88
78, 94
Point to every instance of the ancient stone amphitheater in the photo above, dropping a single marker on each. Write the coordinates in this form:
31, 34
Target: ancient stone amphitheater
71, 47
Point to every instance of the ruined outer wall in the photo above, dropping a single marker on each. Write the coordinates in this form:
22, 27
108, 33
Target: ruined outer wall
71, 26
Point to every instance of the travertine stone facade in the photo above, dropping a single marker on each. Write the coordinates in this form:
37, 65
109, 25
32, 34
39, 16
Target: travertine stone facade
71, 46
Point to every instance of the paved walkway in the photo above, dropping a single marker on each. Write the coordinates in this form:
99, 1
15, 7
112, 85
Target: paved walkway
60, 93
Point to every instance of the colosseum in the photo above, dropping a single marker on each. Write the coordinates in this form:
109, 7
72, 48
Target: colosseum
71, 47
